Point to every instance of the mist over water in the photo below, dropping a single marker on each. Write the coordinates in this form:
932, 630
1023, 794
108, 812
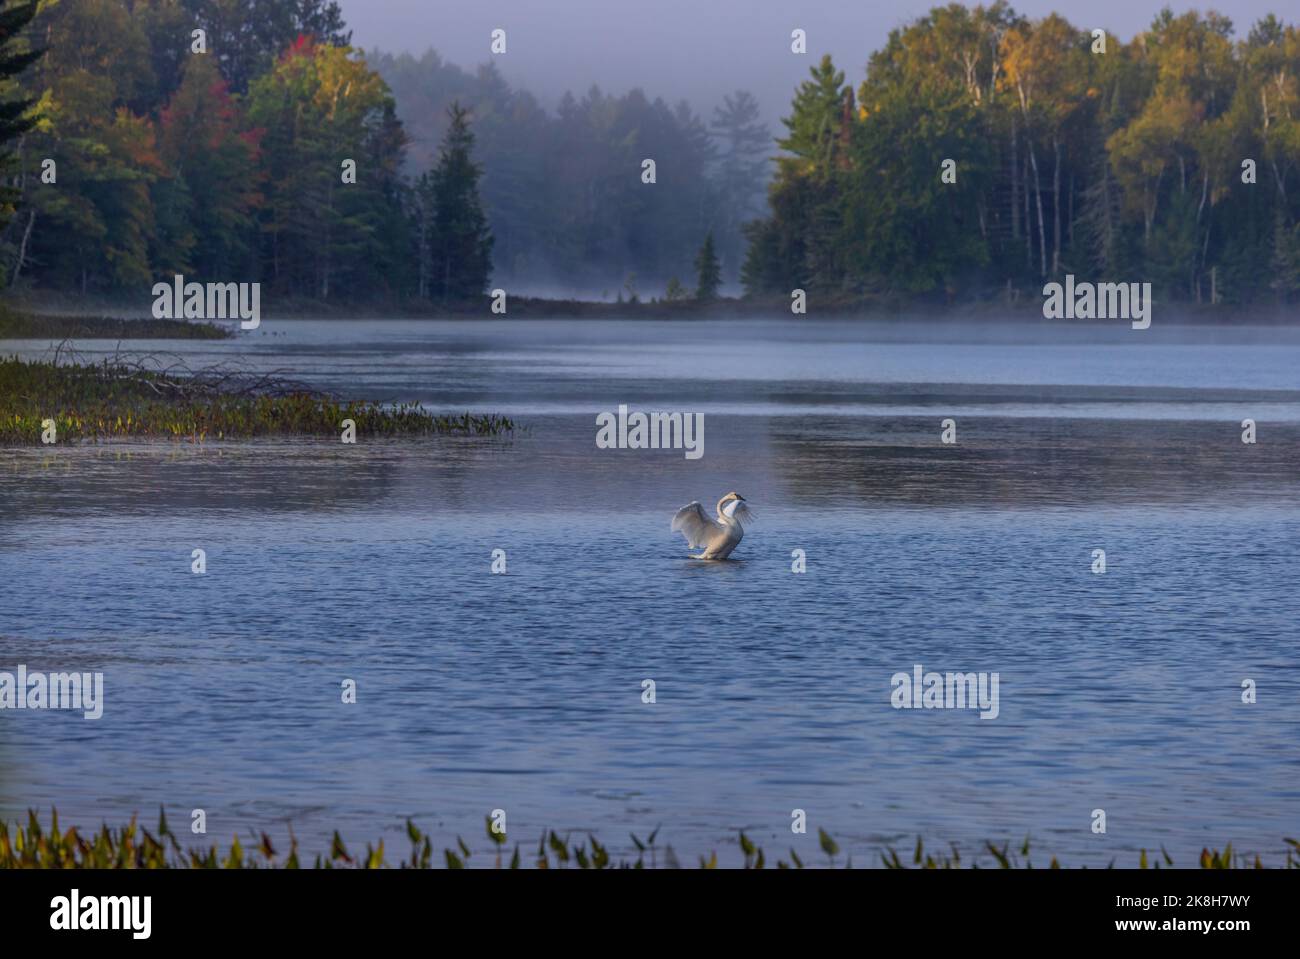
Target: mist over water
523, 692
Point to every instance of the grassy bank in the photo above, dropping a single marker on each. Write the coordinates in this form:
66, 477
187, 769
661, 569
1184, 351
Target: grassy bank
21, 325
135, 399
35, 846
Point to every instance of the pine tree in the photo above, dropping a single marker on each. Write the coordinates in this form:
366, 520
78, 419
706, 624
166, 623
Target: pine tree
324, 236
799, 244
1285, 265
457, 236
745, 143
815, 119
14, 113
708, 271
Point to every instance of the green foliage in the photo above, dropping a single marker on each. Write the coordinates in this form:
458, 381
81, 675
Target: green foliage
319, 106
247, 36
905, 216
828, 845
213, 161
33, 846
16, 116
1118, 167
708, 272
227, 165
95, 226
224, 165
456, 244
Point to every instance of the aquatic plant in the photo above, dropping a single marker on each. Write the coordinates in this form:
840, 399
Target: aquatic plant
140, 397
133, 847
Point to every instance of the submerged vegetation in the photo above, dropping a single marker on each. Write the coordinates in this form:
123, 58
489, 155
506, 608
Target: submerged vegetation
134, 847
130, 397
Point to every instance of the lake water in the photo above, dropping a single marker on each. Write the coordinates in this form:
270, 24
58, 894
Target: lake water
523, 691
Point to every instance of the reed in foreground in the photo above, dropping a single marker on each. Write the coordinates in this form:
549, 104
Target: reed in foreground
128, 397
133, 847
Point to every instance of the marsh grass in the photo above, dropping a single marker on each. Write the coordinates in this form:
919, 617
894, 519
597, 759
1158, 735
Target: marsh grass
147, 396
133, 847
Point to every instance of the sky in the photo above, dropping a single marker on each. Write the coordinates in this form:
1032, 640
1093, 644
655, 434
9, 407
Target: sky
698, 50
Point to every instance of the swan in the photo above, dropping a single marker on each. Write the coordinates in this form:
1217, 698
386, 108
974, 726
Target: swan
718, 537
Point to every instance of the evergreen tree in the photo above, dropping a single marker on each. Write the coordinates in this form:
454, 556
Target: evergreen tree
798, 246
319, 107
1119, 167
562, 190
708, 271
457, 238
816, 118
745, 144
1285, 261
15, 118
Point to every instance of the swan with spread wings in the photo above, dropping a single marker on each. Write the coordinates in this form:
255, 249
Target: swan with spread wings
717, 537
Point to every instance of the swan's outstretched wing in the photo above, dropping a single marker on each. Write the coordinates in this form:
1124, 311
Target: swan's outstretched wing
739, 510
693, 523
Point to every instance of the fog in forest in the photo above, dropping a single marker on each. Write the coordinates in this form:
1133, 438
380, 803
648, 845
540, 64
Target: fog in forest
685, 49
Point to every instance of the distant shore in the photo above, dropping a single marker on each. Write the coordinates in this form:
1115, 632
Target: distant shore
39, 316
26, 325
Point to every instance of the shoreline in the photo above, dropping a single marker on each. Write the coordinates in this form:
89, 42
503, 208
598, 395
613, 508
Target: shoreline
35, 317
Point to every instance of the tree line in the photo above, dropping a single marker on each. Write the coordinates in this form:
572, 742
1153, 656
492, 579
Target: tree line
1173, 159
269, 149
983, 154
210, 138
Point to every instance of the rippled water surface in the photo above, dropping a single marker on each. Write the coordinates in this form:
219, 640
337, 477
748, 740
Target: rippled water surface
523, 692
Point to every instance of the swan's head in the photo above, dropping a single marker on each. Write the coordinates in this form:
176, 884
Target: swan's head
734, 506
